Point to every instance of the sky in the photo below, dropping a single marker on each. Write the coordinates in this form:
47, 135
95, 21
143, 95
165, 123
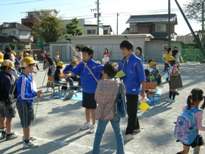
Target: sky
14, 10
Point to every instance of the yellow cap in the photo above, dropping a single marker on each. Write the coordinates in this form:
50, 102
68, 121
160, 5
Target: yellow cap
60, 64
1, 57
152, 63
27, 61
8, 63
120, 74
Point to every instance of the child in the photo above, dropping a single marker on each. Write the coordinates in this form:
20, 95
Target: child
26, 92
105, 112
58, 74
175, 81
154, 72
7, 107
189, 123
89, 72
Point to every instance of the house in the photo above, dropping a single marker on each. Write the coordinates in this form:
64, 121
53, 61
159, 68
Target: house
91, 29
35, 16
155, 24
21, 32
7, 40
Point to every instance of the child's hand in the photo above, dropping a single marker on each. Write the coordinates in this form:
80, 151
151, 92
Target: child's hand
39, 93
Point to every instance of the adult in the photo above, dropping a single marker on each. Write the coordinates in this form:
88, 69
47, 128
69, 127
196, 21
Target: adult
78, 53
134, 79
139, 53
7, 109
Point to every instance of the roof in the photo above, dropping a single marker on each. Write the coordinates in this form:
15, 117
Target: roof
14, 25
152, 18
93, 25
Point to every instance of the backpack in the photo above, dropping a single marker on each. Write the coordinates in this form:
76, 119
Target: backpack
186, 128
121, 106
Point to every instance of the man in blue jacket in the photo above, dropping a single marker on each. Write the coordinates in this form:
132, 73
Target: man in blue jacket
134, 79
26, 92
89, 72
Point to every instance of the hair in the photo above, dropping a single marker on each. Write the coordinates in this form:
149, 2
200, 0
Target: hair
140, 49
150, 60
109, 70
78, 47
169, 50
87, 50
172, 62
126, 44
7, 49
196, 95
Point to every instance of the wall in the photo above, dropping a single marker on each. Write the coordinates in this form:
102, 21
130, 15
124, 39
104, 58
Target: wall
99, 43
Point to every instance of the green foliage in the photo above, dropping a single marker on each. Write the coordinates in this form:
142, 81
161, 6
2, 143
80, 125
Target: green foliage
191, 53
49, 29
73, 28
194, 9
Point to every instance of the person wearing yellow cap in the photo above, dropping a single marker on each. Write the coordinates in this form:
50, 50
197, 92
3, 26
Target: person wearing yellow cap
58, 72
1, 57
7, 109
154, 72
26, 93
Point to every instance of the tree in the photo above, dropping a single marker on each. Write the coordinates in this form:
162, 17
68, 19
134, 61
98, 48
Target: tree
194, 10
74, 28
49, 29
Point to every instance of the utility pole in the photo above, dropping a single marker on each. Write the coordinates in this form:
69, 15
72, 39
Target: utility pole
203, 18
169, 23
117, 22
98, 16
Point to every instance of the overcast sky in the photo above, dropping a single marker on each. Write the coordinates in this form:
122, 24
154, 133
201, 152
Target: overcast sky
14, 10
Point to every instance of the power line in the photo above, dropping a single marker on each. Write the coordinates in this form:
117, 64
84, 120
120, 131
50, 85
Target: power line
22, 2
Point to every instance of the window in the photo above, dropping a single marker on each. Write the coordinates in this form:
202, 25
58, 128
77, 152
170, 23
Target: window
160, 28
91, 31
105, 32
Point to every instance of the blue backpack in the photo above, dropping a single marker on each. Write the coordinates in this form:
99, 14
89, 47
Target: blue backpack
186, 126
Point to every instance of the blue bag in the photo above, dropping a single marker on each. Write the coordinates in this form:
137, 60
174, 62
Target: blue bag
121, 106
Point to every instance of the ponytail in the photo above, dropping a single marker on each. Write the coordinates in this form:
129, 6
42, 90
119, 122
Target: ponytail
203, 105
189, 101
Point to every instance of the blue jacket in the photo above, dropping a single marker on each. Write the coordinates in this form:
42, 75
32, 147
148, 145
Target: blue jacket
134, 70
26, 89
68, 69
87, 81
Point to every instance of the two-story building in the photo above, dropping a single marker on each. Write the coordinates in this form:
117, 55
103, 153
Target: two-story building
156, 24
91, 29
21, 32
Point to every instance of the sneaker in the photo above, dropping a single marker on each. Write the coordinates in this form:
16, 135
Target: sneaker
85, 126
2, 135
29, 145
11, 136
129, 137
91, 129
136, 131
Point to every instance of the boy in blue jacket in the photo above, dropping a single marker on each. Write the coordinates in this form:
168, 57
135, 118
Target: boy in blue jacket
26, 92
89, 72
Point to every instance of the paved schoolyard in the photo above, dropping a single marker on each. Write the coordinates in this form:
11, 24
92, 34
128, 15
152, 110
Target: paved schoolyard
56, 127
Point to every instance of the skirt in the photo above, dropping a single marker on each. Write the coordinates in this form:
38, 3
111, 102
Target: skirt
175, 82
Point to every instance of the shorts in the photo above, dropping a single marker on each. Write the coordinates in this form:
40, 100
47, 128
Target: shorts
197, 142
7, 111
89, 101
26, 113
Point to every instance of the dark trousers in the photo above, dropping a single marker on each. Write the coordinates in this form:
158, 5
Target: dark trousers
133, 123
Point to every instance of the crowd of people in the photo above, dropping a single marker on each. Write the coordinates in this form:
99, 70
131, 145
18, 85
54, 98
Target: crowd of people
110, 91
